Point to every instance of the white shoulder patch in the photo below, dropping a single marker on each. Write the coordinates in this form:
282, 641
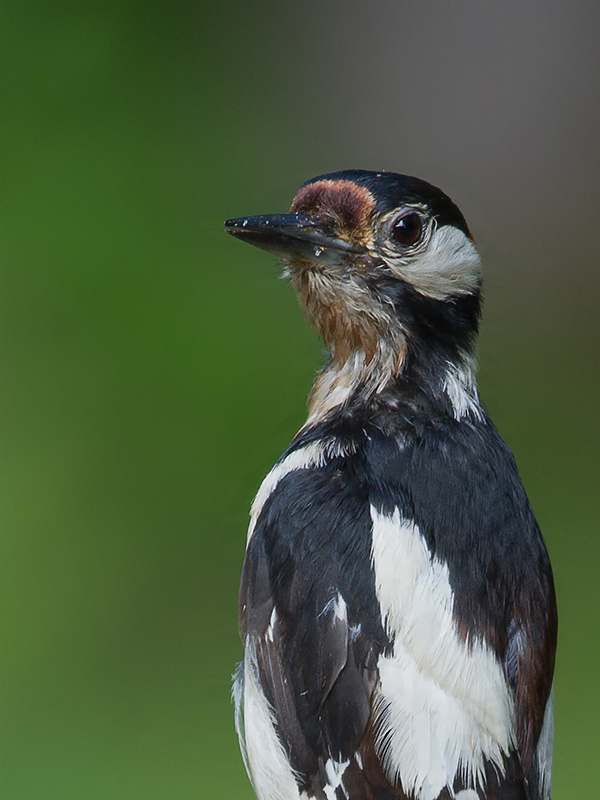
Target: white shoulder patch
443, 707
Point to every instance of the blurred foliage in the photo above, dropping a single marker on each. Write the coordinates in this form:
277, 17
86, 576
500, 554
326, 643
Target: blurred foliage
153, 370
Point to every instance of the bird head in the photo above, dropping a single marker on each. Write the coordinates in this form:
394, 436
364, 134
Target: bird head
385, 267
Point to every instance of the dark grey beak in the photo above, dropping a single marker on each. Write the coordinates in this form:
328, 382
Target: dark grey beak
291, 236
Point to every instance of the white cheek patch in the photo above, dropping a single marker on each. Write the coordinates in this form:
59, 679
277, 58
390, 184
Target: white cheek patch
449, 265
443, 708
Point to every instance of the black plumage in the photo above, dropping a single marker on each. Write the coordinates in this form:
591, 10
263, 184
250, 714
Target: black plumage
398, 453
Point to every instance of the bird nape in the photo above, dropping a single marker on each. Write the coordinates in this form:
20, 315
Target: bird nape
397, 604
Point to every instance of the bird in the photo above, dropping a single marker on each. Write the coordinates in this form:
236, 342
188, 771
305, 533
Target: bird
397, 605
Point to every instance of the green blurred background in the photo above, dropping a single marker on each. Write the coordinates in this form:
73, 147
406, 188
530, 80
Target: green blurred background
152, 369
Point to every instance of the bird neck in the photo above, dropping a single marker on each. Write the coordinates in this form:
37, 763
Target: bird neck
399, 371
397, 344
356, 374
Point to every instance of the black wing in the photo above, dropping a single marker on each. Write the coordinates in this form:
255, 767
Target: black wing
309, 612
312, 621
459, 482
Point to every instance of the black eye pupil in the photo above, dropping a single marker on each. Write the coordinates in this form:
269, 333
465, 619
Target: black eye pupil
407, 229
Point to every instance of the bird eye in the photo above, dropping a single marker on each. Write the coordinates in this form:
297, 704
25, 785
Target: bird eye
407, 229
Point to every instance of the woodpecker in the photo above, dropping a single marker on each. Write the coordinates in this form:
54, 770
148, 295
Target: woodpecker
397, 605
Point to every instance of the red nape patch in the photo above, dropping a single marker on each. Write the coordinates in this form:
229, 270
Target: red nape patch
350, 204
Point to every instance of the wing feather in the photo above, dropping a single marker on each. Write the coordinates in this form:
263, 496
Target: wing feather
314, 620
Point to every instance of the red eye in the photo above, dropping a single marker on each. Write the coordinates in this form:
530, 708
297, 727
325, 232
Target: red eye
407, 229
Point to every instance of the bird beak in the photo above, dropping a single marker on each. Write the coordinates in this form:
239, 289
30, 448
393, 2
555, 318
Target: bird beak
295, 236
